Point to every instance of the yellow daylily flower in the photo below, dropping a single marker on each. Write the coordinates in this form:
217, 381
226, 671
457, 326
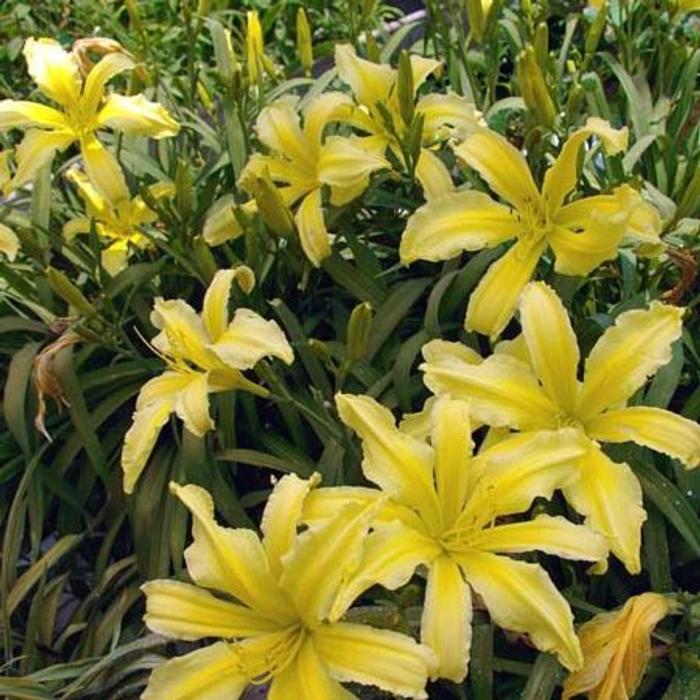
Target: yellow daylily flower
531, 384
204, 353
445, 116
442, 510
284, 587
117, 221
582, 233
302, 161
84, 109
617, 648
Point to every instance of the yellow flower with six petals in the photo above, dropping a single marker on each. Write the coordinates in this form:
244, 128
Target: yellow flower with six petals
205, 354
83, 110
442, 510
531, 384
582, 233
117, 221
285, 588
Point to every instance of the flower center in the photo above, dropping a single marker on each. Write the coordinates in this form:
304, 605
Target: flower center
533, 216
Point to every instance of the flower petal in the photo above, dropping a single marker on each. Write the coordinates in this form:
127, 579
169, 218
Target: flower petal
36, 150
282, 516
370, 82
103, 71
453, 445
447, 116
501, 391
422, 68
215, 306
561, 178
96, 204
54, 70
249, 338
553, 535
9, 243
655, 428
388, 660
627, 354
278, 128
609, 495
444, 352
103, 170
211, 673
136, 116
323, 558
321, 111
230, 560
115, 257
221, 224
20, 114
192, 405
446, 624
313, 234
521, 597
183, 611
502, 166
493, 302
433, 175
551, 343
400, 465
344, 162
454, 222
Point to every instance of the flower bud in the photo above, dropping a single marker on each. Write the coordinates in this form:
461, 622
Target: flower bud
226, 60
254, 48
541, 46
359, 331
65, 289
534, 89
597, 29
404, 86
475, 16
274, 212
304, 45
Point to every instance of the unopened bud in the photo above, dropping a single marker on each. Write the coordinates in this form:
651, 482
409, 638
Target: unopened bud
274, 212
477, 21
359, 331
597, 29
404, 86
65, 289
183, 188
541, 45
321, 350
373, 51
304, 44
203, 8
534, 89
226, 60
132, 9
690, 202
254, 48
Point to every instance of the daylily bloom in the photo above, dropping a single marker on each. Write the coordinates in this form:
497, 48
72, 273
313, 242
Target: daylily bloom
617, 648
531, 384
442, 510
445, 116
284, 587
83, 110
118, 221
204, 354
582, 233
305, 161
9, 243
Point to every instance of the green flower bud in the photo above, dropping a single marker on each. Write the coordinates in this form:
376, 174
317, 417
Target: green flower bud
359, 331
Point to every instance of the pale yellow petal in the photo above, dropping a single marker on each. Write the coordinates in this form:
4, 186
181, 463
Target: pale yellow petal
627, 354
340, 196
76, 226
249, 338
501, 391
323, 558
36, 150
400, 465
96, 204
551, 343
211, 673
609, 495
502, 166
9, 243
115, 257
454, 222
553, 535
192, 405
183, 611
447, 116
282, 516
19, 114
439, 352
370, 82
421, 68
452, 441
53, 69
321, 111
521, 597
561, 178
215, 314
220, 222
388, 660
655, 428
344, 162
446, 623
103, 71
136, 116
278, 128
313, 234
230, 560
103, 170
493, 302
433, 175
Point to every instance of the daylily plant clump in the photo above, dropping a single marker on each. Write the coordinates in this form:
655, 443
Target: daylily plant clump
376, 374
